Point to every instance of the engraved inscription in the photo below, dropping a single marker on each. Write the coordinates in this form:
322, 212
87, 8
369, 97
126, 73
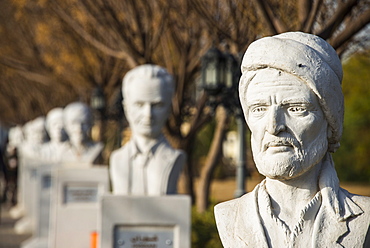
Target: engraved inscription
80, 194
143, 236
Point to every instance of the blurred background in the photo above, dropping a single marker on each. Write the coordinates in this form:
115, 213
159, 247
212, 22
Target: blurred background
53, 52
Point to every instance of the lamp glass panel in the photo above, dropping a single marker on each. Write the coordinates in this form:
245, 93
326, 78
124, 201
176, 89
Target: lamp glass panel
229, 76
211, 75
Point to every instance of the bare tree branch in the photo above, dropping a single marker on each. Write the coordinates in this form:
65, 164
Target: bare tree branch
304, 10
352, 28
313, 13
213, 157
342, 11
89, 38
260, 4
275, 24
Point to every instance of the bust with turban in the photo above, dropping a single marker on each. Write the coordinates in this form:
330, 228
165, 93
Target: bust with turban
290, 92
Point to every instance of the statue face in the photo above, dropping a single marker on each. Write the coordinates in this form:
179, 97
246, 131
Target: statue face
289, 129
77, 124
36, 132
147, 107
55, 129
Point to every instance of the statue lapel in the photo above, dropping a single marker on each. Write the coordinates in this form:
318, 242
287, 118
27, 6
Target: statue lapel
126, 167
327, 229
248, 228
331, 228
158, 170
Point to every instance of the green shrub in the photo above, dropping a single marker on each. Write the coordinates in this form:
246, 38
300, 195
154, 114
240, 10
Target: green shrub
204, 231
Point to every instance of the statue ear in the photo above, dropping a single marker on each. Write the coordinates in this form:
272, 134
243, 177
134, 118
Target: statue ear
124, 106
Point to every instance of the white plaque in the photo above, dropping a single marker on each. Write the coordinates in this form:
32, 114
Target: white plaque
75, 207
127, 236
145, 221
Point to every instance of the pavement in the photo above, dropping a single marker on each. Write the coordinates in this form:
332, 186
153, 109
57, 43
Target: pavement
8, 237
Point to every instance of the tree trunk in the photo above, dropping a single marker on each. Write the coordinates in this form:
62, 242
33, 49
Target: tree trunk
213, 157
304, 9
187, 176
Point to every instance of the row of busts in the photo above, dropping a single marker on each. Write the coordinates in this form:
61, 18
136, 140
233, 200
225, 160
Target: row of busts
63, 136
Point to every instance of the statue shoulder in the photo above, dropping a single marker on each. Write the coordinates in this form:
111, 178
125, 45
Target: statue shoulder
228, 217
359, 207
119, 154
226, 209
230, 208
168, 152
99, 146
362, 201
180, 155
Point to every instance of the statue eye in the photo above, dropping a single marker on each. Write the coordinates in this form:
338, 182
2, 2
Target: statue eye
259, 109
297, 109
158, 104
139, 104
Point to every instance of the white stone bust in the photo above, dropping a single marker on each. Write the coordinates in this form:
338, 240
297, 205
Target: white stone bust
15, 140
35, 136
77, 119
147, 164
15, 136
56, 147
292, 100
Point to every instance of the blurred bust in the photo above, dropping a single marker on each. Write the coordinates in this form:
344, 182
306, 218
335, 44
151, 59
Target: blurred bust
15, 139
147, 164
15, 136
35, 136
55, 148
77, 119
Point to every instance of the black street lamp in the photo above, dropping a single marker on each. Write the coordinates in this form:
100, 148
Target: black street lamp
97, 101
231, 72
220, 77
213, 71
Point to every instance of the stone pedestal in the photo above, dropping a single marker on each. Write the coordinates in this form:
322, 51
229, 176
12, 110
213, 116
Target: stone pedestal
75, 207
43, 176
28, 188
145, 221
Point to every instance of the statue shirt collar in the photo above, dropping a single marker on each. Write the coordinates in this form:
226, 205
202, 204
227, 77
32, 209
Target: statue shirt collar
135, 150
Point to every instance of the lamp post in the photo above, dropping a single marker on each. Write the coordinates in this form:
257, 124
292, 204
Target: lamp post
97, 103
220, 76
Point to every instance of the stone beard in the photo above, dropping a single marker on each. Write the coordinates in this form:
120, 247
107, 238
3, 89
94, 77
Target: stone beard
290, 91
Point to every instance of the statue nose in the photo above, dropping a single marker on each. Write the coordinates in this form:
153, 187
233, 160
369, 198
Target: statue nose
147, 111
275, 121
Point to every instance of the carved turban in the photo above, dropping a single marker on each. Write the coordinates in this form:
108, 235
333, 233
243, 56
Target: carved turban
307, 57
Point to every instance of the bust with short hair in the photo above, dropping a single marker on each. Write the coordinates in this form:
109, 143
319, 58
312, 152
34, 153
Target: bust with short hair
77, 118
35, 136
292, 100
147, 164
54, 150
